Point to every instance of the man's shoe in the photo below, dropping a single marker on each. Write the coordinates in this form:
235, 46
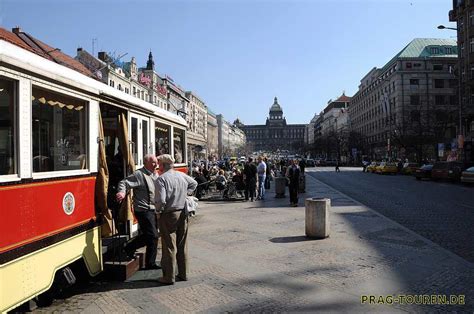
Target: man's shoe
163, 281
181, 278
153, 267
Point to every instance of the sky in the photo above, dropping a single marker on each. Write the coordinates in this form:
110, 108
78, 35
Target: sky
237, 55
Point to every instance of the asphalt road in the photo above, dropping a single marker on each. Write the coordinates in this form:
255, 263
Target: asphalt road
442, 212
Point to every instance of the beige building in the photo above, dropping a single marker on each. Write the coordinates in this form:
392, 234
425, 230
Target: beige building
212, 135
196, 116
406, 109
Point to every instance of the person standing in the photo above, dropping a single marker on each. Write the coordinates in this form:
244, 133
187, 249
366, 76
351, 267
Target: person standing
142, 182
172, 188
250, 173
337, 166
293, 174
262, 174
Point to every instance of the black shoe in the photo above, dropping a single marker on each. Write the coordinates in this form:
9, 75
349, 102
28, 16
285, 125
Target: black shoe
153, 267
180, 278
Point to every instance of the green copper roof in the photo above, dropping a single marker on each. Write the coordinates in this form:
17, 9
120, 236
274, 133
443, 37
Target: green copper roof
430, 47
427, 48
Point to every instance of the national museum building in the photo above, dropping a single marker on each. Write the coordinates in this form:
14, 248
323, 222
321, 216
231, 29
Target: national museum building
275, 133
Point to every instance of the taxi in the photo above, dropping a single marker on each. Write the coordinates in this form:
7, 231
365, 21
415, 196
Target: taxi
372, 166
386, 168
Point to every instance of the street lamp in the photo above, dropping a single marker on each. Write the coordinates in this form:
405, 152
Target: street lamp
460, 133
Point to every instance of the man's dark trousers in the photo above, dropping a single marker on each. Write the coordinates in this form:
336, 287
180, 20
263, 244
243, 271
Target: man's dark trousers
250, 186
148, 236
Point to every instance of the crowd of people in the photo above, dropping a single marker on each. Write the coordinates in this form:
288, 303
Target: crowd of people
247, 179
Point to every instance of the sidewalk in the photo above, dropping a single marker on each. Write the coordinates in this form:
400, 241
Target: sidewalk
254, 257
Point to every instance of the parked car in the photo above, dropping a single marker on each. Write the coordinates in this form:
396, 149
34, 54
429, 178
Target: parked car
410, 167
424, 172
447, 170
331, 162
386, 167
467, 176
372, 166
310, 163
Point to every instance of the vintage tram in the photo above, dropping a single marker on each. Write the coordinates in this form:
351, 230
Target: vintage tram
65, 141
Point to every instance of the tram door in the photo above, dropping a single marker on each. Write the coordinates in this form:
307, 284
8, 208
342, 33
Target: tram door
139, 133
139, 127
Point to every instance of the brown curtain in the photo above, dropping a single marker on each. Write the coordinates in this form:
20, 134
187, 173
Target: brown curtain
101, 187
126, 206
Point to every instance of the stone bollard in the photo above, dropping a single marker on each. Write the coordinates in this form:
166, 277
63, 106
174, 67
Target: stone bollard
302, 184
280, 187
317, 217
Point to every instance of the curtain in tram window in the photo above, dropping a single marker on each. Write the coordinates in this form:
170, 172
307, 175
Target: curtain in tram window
126, 206
101, 186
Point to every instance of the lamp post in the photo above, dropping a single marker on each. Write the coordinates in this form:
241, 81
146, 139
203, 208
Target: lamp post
387, 105
460, 131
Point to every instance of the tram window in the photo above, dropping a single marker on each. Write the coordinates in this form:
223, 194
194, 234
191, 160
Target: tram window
7, 127
135, 139
145, 137
178, 139
59, 132
162, 139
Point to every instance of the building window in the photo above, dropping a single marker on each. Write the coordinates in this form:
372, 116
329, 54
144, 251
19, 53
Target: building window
438, 83
408, 65
415, 116
439, 100
418, 65
7, 126
449, 50
437, 67
134, 91
112, 83
414, 82
59, 132
119, 87
414, 100
434, 50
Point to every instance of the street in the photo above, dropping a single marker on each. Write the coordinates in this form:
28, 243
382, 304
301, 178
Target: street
442, 212
255, 257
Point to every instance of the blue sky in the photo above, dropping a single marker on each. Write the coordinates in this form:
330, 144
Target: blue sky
237, 55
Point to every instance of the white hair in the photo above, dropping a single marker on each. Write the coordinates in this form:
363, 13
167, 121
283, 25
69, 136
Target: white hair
167, 160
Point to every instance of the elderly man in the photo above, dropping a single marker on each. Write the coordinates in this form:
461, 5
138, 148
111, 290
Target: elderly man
172, 187
142, 182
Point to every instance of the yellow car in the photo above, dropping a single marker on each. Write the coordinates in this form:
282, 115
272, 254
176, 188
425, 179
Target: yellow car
386, 167
372, 166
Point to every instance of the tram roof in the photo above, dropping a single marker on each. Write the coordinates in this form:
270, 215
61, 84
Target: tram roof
17, 53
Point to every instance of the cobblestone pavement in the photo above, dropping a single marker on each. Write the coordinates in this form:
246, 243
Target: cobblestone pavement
440, 211
254, 257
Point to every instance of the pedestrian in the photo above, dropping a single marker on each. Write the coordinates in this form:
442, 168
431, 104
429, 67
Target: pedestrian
268, 173
337, 166
172, 188
293, 175
142, 182
262, 175
302, 165
250, 177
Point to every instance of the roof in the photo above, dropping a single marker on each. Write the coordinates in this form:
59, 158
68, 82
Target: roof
30, 43
343, 98
275, 107
421, 48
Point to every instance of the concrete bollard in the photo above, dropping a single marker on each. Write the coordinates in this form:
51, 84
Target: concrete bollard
317, 217
280, 187
302, 184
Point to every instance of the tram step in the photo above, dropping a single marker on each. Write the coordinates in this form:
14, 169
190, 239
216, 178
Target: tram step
113, 242
121, 271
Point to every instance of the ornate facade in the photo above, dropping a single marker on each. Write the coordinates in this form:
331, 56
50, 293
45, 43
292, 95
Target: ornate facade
275, 134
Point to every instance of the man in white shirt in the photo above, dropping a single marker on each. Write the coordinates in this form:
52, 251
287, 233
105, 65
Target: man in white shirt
261, 172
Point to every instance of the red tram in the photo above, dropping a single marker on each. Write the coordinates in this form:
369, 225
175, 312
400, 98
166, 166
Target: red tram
65, 140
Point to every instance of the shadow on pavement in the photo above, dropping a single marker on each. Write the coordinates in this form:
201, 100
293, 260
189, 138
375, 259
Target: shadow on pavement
291, 239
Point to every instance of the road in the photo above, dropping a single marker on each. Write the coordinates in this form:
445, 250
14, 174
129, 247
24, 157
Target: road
442, 212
